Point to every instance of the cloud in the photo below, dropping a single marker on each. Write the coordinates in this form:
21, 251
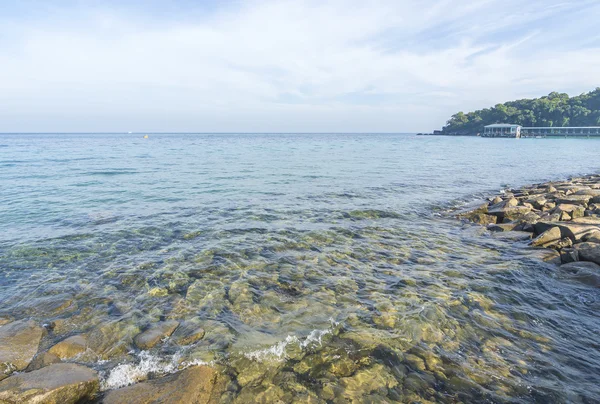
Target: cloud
287, 65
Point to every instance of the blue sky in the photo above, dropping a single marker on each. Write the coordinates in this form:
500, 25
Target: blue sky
343, 65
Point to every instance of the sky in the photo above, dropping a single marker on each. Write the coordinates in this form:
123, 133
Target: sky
284, 66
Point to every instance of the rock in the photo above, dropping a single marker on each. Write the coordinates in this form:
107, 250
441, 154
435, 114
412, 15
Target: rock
70, 347
588, 220
545, 254
482, 218
197, 384
510, 202
112, 339
61, 383
502, 227
590, 192
593, 237
155, 334
5, 319
472, 208
537, 201
509, 213
574, 199
188, 333
588, 251
496, 200
19, 343
574, 211
42, 360
548, 237
576, 266
512, 235
568, 255
574, 231
565, 217
596, 199
548, 206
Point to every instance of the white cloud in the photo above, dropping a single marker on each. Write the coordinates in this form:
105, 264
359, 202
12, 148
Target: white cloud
290, 65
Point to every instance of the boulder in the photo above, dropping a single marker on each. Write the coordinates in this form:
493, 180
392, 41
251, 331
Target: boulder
510, 202
588, 220
42, 360
596, 199
574, 199
589, 192
197, 384
548, 206
574, 211
588, 252
482, 218
574, 231
70, 347
568, 255
502, 226
471, 208
545, 254
188, 333
61, 383
547, 238
509, 213
513, 235
19, 343
496, 200
155, 334
593, 237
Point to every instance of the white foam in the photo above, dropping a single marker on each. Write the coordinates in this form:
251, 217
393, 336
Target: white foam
129, 373
278, 352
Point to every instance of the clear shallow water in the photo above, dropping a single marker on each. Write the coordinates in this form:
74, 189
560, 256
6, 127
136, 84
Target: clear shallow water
317, 264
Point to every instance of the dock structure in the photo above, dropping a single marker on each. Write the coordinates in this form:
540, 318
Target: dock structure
516, 131
502, 130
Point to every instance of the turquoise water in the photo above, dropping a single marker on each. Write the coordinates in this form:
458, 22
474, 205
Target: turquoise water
321, 259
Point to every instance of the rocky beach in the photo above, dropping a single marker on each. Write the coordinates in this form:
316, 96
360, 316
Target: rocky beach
559, 221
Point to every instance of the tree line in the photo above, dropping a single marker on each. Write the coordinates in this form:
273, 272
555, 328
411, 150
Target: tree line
555, 109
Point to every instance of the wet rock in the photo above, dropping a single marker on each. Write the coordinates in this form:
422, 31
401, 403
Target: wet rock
510, 202
546, 255
568, 255
61, 383
19, 343
188, 333
496, 200
574, 231
510, 213
42, 360
5, 319
112, 339
70, 347
155, 334
482, 218
502, 227
588, 251
472, 208
574, 199
197, 384
547, 238
513, 235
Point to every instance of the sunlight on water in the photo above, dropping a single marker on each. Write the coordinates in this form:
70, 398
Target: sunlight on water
317, 265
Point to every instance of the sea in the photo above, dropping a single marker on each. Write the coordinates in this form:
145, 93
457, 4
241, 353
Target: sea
322, 267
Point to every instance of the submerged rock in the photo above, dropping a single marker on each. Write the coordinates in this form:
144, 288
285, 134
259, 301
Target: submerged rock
62, 383
70, 347
588, 251
197, 384
155, 334
19, 343
42, 360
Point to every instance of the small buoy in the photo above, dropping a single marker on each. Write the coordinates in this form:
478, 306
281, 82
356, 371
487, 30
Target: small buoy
145, 136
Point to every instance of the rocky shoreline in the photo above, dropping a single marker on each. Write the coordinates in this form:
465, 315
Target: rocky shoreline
560, 217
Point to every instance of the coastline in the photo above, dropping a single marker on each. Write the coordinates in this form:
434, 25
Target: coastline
558, 220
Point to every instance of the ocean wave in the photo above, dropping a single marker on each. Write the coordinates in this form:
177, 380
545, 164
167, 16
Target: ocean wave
126, 374
279, 351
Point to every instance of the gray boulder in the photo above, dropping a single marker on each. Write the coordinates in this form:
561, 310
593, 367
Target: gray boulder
588, 252
61, 383
19, 343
